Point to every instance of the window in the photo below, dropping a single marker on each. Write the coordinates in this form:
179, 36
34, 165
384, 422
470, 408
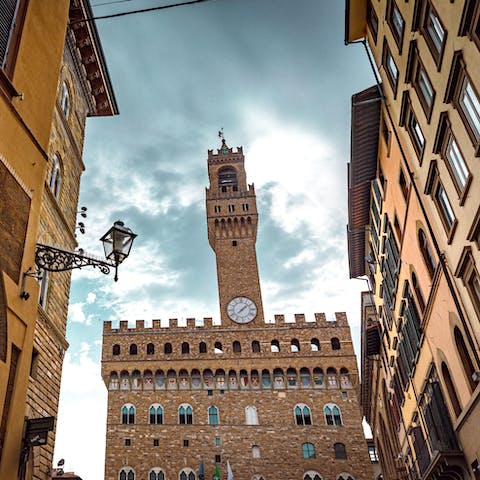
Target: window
418, 292
314, 345
409, 120
126, 473
274, 346
218, 347
65, 100
372, 20
417, 75
446, 145
390, 67
155, 442
128, 442
156, 414
436, 189
396, 23
150, 349
302, 414
168, 348
218, 441
245, 207
116, 349
218, 458
251, 415
255, 346
237, 348
234, 243
372, 452
308, 450
434, 32
128, 414
294, 345
231, 208
43, 290
255, 451
426, 252
13, 14
452, 393
312, 475
403, 183
185, 414
332, 414
133, 349
156, 474
463, 94
227, 177
213, 415
202, 347
335, 342
185, 348
467, 271
186, 443
217, 208
187, 474
465, 357
55, 177
340, 451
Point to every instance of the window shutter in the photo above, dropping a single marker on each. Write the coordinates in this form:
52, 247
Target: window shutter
8, 10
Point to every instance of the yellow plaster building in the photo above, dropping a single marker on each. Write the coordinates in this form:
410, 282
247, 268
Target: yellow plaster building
414, 223
52, 77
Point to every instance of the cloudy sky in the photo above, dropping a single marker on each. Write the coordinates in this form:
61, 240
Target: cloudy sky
275, 74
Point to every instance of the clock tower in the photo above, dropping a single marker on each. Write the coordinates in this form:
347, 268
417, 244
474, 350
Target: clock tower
232, 232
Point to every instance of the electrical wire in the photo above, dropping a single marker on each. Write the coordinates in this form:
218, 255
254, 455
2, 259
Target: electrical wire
132, 12
111, 3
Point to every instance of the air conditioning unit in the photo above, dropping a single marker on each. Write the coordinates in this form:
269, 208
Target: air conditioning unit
476, 376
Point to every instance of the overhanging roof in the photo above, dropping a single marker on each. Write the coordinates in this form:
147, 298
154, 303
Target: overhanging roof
355, 20
88, 43
362, 169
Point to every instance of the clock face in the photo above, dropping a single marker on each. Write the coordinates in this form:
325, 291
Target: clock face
241, 310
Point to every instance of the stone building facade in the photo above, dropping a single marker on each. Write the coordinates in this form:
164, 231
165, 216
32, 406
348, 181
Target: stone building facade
265, 398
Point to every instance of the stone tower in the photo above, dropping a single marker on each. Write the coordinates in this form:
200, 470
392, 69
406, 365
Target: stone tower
269, 399
232, 233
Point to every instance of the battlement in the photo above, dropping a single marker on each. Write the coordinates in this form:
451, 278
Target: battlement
230, 152
298, 320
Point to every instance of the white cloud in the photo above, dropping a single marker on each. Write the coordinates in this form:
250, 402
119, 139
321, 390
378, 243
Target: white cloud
81, 424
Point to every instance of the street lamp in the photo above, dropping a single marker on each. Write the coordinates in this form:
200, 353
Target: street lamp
117, 243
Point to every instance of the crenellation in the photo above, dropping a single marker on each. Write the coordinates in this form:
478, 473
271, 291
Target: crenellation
299, 317
156, 324
191, 323
140, 324
173, 323
123, 325
107, 326
279, 318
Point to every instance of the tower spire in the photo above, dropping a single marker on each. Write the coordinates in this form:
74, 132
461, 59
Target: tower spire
224, 146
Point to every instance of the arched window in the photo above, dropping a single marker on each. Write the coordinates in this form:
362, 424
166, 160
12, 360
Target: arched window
128, 414
126, 473
332, 377
213, 415
315, 345
220, 378
266, 381
185, 348
150, 349
451, 390
116, 349
418, 292
167, 348
291, 377
196, 379
124, 380
305, 377
237, 348
311, 475
251, 415
274, 346
156, 474
302, 414
294, 345
227, 177
187, 474
133, 349
340, 451
346, 476
278, 379
136, 380
148, 380
332, 414
426, 252
113, 384
256, 454
308, 450
232, 380
159, 379
208, 379
172, 379
344, 378
202, 347
55, 177
318, 378
465, 357
335, 343
65, 100
156, 414
218, 347
183, 379
255, 346
185, 414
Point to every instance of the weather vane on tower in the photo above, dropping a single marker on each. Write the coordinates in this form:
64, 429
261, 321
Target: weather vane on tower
224, 147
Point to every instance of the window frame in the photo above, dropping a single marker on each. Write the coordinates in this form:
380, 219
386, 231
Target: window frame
372, 21
407, 117
467, 271
436, 52
304, 418
213, 415
396, 34
387, 56
308, 450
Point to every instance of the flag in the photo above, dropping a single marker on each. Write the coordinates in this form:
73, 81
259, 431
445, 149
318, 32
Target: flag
201, 471
217, 475
229, 471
